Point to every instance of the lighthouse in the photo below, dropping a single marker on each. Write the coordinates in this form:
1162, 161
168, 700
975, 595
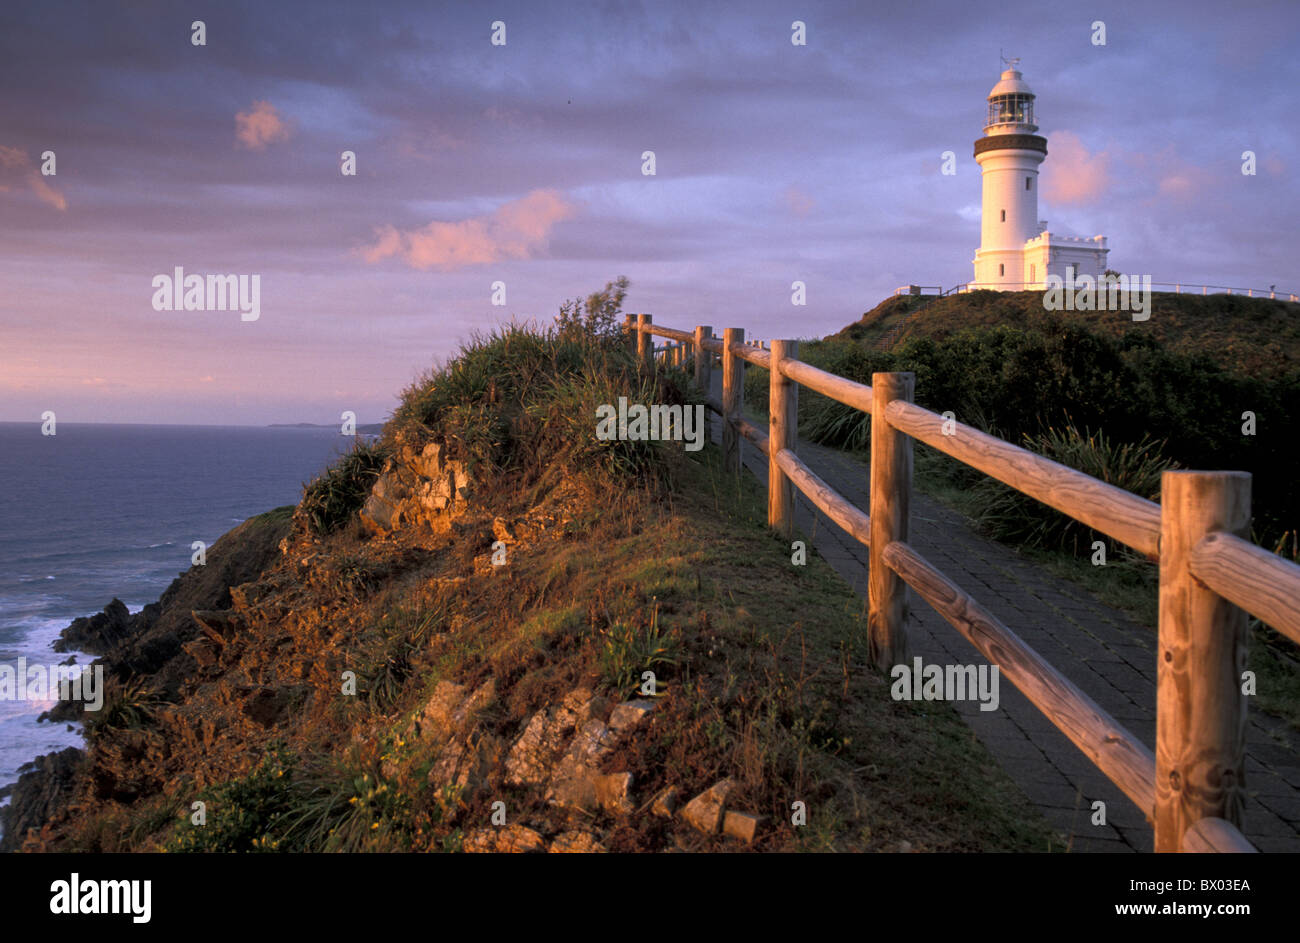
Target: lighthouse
1017, 252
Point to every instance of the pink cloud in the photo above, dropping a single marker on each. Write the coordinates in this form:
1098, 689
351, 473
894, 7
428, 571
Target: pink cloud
17, 169
799, 202
1071, 174
515, 230
1172, 177
259, 126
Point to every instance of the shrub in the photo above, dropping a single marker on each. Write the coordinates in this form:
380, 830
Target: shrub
627, 652
128, 705
1014, 517
1021, 380
331, 499
523, 399
243, 815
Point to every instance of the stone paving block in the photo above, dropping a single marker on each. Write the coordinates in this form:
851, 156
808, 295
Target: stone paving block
1048, 793
1016, 748
1140, 839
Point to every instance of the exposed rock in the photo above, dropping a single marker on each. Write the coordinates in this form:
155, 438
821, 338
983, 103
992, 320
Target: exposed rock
416, 489
546, 739
629, 714
472, 706
742, 825
508, 839
466, 765
592, 741
665, 803
704, 812
46, 786
533, 754
573, 783
99, 633
614, 792
576, 843
267, 705
436, 715
217, 624
383, 506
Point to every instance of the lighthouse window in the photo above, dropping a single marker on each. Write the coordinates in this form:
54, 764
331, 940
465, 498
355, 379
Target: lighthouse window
1029, 183
1004, 216
1002, 270
1005, 109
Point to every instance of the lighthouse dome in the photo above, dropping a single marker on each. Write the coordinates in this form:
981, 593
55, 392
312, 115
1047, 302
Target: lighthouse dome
1011, 83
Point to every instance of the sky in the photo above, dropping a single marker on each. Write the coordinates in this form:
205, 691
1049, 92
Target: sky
522, 163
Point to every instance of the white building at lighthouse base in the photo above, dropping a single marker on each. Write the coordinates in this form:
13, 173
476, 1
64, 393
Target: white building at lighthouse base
1048, 253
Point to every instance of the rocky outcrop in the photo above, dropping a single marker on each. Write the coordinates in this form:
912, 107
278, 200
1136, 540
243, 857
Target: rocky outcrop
508, 839
39, 790
97, 634
415, 487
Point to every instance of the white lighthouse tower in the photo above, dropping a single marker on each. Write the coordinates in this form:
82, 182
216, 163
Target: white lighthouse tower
1016, 251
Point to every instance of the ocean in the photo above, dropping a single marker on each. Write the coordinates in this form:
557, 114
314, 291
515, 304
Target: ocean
99, 511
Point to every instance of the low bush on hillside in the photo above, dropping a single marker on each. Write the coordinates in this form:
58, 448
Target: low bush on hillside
1016, 518
330, 500
1021, 382
520, 400
523, 399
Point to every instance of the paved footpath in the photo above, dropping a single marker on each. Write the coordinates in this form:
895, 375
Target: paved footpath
1100, 649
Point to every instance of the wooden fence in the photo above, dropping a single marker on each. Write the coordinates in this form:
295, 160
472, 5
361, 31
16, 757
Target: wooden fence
1192, 788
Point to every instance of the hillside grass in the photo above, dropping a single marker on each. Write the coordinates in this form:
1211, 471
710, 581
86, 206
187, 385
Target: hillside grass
762, 673
1253, 336
628, 557
1214, 384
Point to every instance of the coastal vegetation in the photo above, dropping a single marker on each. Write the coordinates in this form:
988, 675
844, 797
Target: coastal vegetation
391, 681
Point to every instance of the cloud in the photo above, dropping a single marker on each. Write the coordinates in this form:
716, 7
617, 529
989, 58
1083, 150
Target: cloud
1173, 178
515, 230
798, 202
259, 126
16, 168
1071, 174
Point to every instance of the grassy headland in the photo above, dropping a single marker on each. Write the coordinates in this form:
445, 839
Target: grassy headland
622, 557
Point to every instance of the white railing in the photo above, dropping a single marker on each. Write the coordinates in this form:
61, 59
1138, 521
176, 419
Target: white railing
1178, 288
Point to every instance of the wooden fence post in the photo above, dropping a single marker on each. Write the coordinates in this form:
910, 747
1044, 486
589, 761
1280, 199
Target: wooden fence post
645, 346
783, 426
733, 393
1200, 708
629, 329
703, 359
891, 499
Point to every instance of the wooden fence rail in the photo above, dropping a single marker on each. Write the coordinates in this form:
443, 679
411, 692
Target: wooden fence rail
1192, 787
